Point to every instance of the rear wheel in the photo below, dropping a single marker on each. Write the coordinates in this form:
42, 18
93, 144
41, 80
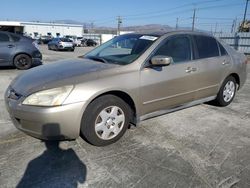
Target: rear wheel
22, 62
105, 120
227, 92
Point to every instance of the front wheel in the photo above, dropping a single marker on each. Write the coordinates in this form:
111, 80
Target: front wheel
105, 120
227, 92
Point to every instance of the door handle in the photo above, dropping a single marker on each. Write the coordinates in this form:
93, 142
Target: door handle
191, 69
11, 46
225, 62
194, 69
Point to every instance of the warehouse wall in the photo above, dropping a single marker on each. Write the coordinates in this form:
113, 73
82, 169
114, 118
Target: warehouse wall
32, 29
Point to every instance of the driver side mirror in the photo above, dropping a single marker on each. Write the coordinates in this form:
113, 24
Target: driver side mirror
160, 60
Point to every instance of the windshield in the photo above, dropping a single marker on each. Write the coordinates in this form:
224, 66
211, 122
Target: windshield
123, 49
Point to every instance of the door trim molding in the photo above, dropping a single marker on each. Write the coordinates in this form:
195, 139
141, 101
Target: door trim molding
180, 94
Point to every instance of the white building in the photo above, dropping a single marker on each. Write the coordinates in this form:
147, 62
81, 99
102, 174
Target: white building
37, 29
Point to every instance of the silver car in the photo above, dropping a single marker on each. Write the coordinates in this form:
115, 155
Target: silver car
128, 79
61, 44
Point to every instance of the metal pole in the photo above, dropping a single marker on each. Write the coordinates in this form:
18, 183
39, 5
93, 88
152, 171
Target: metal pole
232, 28
119, 22
177, 21
193, 20
215, 28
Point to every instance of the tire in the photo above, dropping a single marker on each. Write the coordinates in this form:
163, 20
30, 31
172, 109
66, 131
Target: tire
72, 50
49, 47
111, 127
22, 61
227, 92
56, 48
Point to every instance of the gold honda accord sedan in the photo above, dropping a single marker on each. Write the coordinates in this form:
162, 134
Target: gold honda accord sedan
128, 79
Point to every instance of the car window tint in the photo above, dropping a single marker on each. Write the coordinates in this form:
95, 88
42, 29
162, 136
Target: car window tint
4, 37
15, 38
222, 50
65, 40
178, 48
206, 46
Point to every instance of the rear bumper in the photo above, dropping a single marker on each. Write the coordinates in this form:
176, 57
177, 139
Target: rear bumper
37, 61
47, 123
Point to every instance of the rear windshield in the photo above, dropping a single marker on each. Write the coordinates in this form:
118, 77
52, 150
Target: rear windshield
65, 40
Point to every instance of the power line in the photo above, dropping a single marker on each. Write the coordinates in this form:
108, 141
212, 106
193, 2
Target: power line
171, 9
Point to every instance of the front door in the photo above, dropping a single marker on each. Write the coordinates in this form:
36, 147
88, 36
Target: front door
6, 48
169, 86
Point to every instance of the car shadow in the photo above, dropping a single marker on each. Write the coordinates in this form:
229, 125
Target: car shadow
13, 67
55, 167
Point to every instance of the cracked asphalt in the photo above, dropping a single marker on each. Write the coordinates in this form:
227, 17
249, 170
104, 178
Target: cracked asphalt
201, 146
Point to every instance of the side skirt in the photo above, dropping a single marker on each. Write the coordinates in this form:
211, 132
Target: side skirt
169, 110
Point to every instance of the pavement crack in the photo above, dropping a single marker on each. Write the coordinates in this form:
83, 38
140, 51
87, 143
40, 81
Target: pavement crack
215, 146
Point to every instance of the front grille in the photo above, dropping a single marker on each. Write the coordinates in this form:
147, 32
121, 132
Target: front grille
12, 94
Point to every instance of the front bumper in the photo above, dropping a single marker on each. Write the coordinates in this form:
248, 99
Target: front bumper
61, 47
47, 123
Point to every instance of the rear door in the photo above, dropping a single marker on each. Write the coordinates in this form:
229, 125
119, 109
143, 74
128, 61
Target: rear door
7, 48
169, 86
211, 65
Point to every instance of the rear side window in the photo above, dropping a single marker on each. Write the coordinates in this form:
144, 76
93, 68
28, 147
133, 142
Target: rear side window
222, 50
178, 48
15, 38
206, 46
4, 37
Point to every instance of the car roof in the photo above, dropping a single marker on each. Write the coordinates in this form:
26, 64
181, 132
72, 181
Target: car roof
161, 33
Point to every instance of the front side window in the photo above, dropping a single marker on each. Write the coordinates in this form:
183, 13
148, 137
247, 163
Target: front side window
206, 46
178, 48
123, 49
222, 50
4, 37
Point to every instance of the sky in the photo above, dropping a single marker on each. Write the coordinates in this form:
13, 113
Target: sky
212, 15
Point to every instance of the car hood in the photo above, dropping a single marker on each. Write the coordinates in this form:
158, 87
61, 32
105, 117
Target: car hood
67, 72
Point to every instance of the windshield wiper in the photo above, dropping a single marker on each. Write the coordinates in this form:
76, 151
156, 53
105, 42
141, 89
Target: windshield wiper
97, 59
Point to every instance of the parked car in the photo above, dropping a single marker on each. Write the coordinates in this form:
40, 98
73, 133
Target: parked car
19, 51
73, 38
61, 44
99, 95
45, 39
88, 42
79, 41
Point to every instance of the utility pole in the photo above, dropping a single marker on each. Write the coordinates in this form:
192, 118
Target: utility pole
177, 22
215, 29
119, 22
244, 18
232, 28
92, 27
193, 19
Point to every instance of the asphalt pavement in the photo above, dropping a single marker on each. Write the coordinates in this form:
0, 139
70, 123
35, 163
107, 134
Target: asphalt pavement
201, 146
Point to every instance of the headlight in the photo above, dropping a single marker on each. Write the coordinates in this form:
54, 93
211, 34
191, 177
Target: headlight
50, 97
